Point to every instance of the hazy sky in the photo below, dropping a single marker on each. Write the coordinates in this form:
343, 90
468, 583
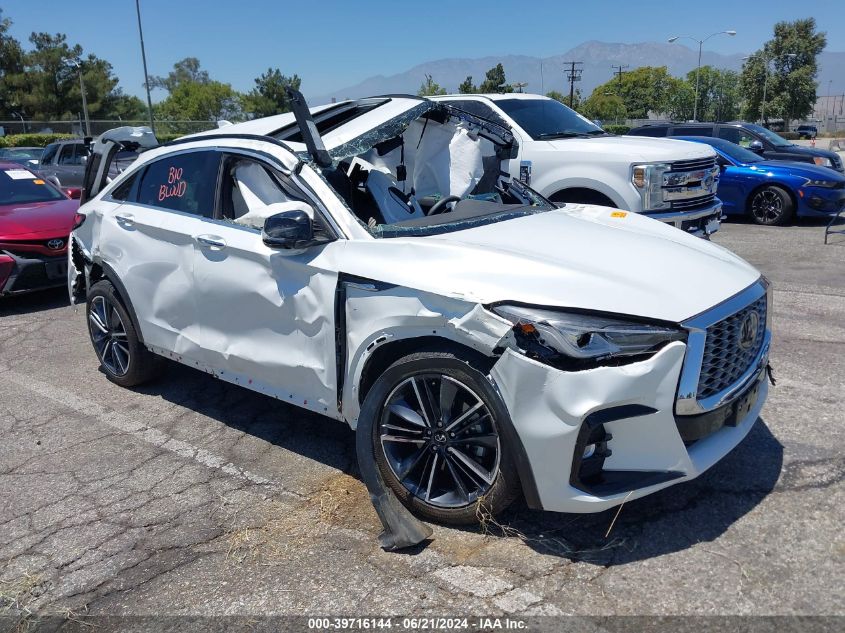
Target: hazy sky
332, 44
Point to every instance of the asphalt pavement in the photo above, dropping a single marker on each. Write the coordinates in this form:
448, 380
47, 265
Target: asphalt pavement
191, 496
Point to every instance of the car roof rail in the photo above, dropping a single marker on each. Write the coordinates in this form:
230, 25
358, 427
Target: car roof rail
222, 134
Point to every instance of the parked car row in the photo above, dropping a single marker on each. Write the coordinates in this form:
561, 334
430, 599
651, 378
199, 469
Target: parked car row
773, 191
382, 262
766, 143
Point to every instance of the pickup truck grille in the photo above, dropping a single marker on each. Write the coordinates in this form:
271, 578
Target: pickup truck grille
692, 203
691, 184
725, 359
693, 165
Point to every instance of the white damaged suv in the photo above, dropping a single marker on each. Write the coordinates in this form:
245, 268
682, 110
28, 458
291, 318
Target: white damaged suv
490, 343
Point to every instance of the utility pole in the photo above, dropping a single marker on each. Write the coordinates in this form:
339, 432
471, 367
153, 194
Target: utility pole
573, 74
146, 74
78, 64
618, 70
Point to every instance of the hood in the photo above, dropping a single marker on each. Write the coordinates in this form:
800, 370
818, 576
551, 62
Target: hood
580, 256
637, 148
808, 151
54, 217
794, 168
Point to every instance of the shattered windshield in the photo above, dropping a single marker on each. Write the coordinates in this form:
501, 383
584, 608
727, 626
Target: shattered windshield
546, 119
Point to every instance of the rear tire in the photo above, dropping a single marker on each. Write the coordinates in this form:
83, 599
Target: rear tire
771, 206
439, 439
123, 358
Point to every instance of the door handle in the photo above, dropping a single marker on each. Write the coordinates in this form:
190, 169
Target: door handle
126, 219
214, 242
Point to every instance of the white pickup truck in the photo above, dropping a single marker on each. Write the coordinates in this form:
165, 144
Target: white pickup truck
567, 158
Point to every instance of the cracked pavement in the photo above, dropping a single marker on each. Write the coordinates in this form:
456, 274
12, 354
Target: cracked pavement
191, 496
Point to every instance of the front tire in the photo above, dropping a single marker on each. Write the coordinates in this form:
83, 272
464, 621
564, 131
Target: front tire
438, 440
771, 206
123, 358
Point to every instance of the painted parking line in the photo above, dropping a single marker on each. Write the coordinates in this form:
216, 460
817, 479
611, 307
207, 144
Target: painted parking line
136, 429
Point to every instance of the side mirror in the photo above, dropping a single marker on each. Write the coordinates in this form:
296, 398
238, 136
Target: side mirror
289, 229
756, 146
74, 193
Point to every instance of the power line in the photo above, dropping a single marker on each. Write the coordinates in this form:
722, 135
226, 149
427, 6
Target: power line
573, 74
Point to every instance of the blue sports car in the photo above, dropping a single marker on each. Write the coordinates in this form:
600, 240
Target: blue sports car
772, 192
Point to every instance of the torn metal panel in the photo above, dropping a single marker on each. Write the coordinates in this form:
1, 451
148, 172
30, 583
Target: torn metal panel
548, 407
377, 314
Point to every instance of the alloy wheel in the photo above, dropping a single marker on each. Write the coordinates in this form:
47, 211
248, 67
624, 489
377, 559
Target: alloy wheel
109, 336
440, 440
767, 206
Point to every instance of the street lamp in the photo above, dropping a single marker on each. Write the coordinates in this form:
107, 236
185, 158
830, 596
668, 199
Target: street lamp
766, 62
827, 104
76, 63
698, 69
20, 116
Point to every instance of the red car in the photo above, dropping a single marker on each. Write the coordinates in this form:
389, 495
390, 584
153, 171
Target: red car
36, 219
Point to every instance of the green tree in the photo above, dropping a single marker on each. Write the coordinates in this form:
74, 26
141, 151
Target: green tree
125, 107
495, 81
269, 96
11, 66
718, 93
467, 87
604, 106
43, 83
787, 65
48, 86
184, 71
642, 90
430, 87
200, 101
564, 99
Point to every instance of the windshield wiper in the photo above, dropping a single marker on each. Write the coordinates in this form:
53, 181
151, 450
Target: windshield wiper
562, 134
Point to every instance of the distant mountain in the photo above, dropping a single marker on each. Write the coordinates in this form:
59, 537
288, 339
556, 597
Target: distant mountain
545, 74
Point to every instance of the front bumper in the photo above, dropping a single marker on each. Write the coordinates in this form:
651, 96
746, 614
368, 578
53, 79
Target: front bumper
701, 222
820, 201
20, 274
640, 445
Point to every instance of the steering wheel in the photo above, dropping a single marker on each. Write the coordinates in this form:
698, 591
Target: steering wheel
440, 205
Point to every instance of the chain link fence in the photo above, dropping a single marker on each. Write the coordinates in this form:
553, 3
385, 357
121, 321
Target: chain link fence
77, 127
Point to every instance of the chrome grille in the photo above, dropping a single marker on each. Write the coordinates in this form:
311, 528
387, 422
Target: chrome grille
724, 359
694, 202
693, 165
684, 184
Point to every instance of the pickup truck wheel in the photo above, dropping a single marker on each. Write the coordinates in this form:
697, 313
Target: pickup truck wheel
438, 440
122, 356
770, 206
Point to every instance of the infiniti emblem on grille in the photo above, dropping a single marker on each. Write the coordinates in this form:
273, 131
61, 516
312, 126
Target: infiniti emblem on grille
55, 244
748, 330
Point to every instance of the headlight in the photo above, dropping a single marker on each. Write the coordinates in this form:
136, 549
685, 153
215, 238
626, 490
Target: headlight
584, 337
648, 179
821, 183
821, 160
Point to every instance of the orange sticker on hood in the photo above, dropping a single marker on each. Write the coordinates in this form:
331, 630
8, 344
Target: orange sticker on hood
618, 214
